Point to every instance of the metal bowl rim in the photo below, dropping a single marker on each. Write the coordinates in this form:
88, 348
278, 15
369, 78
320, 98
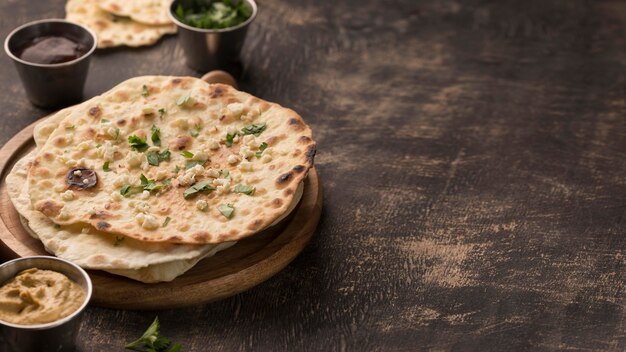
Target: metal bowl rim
252, 3
50, 20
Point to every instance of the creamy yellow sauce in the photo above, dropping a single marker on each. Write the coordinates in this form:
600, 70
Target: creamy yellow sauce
39, 296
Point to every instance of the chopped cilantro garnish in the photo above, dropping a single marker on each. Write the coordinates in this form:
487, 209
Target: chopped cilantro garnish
156, 132
137, 143
105, 166
118, 240
214, 14
201, 186
154, 158
226, 173
149, 185
261, 149
176, 169
193, 163
165, 156
230, 138
196, 130
162, 112
227, 210
129, 190
255, 129
104, 121
187, 154
245, 189
167, 221
144, 91
185, 101
70, 127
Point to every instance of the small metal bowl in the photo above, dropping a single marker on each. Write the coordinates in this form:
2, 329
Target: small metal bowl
210, 49
59, 335
52, 85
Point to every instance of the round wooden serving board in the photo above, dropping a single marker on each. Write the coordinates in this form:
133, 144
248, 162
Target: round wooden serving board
234, 270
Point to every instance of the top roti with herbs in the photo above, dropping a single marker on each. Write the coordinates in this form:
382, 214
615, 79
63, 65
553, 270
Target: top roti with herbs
215, 163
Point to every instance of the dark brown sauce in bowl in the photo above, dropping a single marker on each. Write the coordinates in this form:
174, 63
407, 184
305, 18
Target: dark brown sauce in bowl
52, 50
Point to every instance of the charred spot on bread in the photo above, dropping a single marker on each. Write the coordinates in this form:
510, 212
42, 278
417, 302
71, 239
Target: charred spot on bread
255, 224
296, 124
95, 112
201, 236
310, 154
60, 141
102, 225
284, 178
180, 142
299, 168
217, 92
304, 140
49, 208
100, 215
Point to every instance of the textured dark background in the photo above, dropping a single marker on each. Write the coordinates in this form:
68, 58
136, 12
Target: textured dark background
473, 158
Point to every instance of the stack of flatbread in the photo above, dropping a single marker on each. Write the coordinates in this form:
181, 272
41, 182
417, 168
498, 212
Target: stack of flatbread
123, 22
158, 173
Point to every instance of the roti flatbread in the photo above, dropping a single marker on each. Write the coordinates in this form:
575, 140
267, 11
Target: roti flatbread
113, 30
233, 162
151, 12
92, 249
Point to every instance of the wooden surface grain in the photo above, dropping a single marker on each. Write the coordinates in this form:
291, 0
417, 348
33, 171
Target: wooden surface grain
473, 158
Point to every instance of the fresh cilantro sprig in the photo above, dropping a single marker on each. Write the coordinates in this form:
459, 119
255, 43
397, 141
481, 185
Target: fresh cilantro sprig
152, 341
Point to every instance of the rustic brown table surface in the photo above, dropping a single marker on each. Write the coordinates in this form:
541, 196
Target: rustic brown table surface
473, 156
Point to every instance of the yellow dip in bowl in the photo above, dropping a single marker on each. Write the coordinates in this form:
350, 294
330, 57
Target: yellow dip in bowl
36, 296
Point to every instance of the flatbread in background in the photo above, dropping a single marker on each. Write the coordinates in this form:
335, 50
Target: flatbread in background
114, 30
151, 12
195, 120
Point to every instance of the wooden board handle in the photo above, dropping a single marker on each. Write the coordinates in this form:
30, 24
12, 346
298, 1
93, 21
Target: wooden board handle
219, 76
